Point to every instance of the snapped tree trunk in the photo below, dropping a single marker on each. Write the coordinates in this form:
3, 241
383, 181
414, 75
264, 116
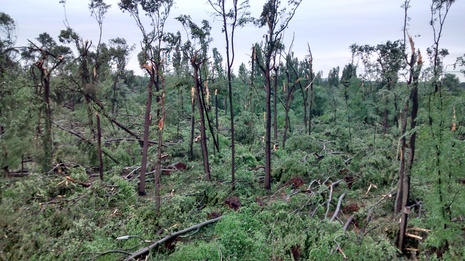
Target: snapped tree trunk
200, 105
403, 190
310, 91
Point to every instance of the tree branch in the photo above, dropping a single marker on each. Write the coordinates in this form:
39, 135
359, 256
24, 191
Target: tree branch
168, 237
338, 207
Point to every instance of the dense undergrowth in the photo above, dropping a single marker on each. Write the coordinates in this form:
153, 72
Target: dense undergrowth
52, 217
49, 217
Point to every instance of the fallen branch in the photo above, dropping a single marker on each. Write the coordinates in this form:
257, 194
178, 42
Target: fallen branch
168, 237
413, 236
339, 202
347, 224
331, 188
78, 182
419, 229
85, 140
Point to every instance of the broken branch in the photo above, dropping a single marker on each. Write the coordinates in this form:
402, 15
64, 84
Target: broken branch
170, 236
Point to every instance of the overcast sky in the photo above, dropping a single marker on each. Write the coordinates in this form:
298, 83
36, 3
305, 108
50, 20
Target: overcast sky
329, 26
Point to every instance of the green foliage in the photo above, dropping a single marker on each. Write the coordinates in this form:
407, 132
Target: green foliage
441, 170
246, 128
49, 218
198, 250
291, 165
17, 118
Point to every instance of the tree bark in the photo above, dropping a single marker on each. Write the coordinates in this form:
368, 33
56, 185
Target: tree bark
99, 146
268, 128
161, 128
275, 103
147, 123
200, 105
310, 90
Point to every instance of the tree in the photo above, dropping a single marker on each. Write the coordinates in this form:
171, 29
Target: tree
349, 73
293, 80
310, 95
333, 83
7, 41
16, 110
276, 22
441, 142
50, 56
151, 60
403, 186
198, 58
119, 52
232, 15
382, 64
98, 10
452, 83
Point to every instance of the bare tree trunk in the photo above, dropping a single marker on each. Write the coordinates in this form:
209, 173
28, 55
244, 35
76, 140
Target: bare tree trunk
147, 123
99, 146
275, 104
113, 100
268, 129
305, 102
310, 91
47, 140
191, 141
217, 125
402, 189
200, 105
286, 118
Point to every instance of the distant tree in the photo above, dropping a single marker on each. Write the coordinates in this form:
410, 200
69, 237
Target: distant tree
310, 96
292, 82
7, 41
349, 74
86, 85
461, 63
98, 10
236, 19
383, 63
119, 52
333, 83
452, 83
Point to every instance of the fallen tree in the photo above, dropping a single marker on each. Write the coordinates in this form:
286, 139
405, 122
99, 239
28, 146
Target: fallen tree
145, 250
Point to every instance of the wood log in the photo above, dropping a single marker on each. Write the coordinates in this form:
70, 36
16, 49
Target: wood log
145, 250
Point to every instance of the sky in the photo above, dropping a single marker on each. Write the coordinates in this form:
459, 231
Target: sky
329, 27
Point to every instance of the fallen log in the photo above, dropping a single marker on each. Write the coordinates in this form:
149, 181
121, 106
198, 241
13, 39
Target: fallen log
145, 250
